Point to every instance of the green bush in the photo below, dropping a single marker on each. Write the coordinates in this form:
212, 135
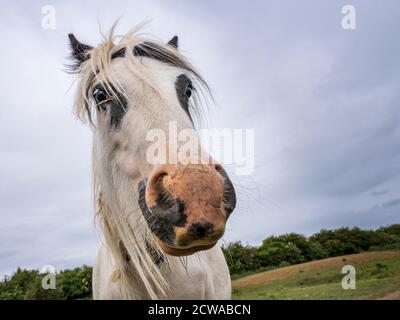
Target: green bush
27, 284
275, 251
76, 283
240, 257
15, 287
295, 248
35, 291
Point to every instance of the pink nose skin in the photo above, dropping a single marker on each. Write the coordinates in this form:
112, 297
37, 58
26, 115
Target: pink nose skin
186, 206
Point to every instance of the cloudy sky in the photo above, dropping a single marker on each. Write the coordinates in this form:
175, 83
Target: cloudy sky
323, 101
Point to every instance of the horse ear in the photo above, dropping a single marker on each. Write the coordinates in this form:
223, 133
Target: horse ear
173, 42
79, 50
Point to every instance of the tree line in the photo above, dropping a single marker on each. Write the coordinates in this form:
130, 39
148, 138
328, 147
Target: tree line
293, 248
274, 251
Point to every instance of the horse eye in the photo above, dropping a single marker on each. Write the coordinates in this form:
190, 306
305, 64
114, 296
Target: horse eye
99, 95
189, 90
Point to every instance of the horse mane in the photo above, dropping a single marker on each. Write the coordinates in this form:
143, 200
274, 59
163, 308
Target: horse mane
141, 268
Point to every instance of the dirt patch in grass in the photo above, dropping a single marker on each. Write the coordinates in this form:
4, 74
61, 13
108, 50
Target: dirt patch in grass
286, 272
391, 296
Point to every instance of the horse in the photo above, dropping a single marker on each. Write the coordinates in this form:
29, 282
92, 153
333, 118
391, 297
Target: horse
160, 222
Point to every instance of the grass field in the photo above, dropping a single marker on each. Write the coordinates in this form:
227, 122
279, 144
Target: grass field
377, 277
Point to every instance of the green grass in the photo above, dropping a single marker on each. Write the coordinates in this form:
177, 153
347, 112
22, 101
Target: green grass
249, 273
374, 279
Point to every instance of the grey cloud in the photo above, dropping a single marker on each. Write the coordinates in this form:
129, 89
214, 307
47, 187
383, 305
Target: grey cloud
323, 103
380, 192
392, 203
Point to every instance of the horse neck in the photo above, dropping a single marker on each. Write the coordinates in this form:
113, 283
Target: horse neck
140, 277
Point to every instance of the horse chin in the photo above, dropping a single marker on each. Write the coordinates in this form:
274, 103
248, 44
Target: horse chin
179, 252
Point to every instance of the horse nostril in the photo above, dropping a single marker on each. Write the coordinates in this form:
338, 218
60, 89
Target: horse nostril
164, 199
229, 196
200, 229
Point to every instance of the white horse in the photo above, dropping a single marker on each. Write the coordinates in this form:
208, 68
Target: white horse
160, 222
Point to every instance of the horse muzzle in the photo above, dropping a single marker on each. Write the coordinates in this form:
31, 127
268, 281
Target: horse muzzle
187, 206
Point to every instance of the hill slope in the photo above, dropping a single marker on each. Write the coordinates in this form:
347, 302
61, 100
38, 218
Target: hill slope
377, 276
